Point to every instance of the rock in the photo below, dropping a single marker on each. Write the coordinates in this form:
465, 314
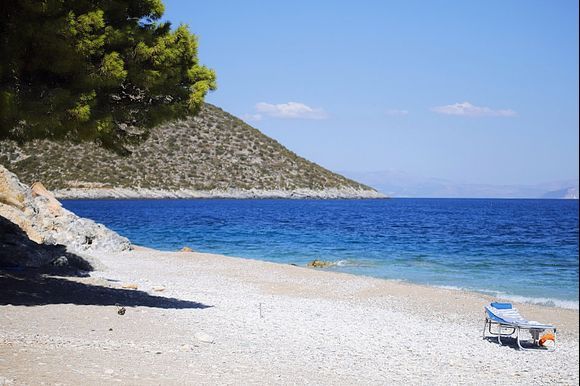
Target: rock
38, 190
320, 264
44, 221
18, 250
203, 337
12, 192
186, 249
60, 261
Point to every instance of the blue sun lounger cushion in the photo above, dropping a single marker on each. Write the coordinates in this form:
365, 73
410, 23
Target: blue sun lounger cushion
501, 306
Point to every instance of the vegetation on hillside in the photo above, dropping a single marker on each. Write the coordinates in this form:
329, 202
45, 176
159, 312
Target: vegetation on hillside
213, 150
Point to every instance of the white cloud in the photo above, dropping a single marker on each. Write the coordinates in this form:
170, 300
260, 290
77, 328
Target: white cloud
396, 112
468, 110
290, 110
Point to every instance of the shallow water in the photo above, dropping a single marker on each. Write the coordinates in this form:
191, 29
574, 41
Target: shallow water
526, 250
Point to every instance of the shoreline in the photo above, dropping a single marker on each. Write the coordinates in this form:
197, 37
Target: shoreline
200, 318
335, 268
388, 282
130, 193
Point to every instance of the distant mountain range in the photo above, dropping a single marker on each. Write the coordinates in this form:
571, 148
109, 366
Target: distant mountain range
399, 184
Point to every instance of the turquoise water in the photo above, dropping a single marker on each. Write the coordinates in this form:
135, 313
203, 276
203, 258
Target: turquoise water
524, 250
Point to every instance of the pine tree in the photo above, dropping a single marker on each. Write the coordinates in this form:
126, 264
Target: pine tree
97, 70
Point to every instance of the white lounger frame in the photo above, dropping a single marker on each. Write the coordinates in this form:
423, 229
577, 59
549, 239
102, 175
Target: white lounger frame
516, 329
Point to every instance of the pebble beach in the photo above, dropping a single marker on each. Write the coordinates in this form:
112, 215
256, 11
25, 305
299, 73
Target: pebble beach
150, 317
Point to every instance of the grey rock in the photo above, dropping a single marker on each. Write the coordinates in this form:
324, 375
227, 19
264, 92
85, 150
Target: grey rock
32, 219
60, 261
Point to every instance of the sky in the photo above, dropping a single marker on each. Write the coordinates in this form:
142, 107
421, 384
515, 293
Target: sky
470, 91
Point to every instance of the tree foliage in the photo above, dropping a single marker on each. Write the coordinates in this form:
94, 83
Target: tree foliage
103, 70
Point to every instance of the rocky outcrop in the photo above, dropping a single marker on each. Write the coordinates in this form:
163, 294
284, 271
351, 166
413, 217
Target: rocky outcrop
320, 264
37, 213
18, 251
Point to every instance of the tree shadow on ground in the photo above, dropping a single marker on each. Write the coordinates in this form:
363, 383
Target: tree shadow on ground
33, 274
38, 289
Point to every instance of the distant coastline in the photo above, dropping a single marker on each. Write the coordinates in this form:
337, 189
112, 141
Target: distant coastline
130, 193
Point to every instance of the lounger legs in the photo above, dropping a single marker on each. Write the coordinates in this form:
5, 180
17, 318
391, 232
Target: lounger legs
523, 348
484, 327
487, 325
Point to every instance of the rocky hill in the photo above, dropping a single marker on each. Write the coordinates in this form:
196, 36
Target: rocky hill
211, 155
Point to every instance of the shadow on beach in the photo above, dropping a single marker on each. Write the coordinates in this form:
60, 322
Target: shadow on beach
39, 289
31, 275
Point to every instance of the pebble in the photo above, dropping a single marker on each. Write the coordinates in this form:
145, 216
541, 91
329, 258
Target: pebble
203, 337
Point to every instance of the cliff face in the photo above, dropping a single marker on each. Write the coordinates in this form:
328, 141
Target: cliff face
212, 155
36, 230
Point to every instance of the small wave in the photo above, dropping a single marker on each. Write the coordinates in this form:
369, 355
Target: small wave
549, 302
353, 263
452, 287
568, 304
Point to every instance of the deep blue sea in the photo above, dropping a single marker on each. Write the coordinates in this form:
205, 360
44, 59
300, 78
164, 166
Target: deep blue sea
524, 250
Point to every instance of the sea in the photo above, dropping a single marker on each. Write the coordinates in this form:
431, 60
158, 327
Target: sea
520, 250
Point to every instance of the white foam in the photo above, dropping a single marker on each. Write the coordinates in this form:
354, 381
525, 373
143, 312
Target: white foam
451, 287
569, 304
550, 302
353, 263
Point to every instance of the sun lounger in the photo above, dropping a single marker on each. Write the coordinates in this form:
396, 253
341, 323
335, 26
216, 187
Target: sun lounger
503, 320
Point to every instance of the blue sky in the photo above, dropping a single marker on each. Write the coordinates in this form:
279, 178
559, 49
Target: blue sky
481, 92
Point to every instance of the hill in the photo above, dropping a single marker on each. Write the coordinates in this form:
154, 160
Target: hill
397, 183
211, 155
570, 193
